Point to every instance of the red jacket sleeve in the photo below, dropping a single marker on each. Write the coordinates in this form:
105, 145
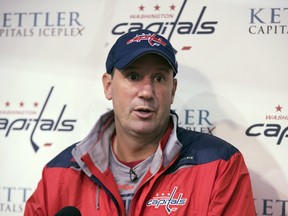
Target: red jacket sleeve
35, 205
232, 191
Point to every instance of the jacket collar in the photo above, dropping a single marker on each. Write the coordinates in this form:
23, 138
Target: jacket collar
96, 144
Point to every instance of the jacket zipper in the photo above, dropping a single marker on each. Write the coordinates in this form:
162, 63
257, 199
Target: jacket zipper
99, 184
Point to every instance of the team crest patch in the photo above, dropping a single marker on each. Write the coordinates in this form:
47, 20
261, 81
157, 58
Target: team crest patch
171, 201
151, 39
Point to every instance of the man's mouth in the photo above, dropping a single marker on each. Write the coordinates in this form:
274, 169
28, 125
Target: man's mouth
144, 112
144, 109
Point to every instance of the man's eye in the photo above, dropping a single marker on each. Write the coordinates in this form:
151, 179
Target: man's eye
133, 76
159, 78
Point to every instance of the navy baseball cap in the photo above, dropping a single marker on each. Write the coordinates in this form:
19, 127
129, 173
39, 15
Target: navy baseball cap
132, 45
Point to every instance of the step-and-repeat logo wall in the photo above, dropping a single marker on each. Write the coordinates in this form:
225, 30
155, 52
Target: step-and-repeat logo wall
232, 82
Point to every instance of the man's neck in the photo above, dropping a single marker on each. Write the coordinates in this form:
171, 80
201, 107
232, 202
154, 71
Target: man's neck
131, 149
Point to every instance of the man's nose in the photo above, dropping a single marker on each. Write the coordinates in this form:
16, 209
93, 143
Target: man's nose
146, 89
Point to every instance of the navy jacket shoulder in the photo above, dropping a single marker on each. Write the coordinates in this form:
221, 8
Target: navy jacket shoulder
64, 159
200, 148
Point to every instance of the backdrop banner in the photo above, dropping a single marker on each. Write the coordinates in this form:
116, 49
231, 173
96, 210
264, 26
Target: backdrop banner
232, 81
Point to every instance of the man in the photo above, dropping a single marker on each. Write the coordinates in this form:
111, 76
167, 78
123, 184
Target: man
136, 161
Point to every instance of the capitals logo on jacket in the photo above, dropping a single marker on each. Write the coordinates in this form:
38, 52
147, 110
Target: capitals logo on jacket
171, 200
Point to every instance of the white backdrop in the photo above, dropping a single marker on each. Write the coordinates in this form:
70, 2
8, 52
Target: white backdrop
232, 81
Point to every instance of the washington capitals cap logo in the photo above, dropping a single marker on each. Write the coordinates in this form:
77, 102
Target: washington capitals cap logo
151, 39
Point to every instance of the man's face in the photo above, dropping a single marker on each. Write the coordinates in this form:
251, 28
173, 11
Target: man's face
142, 95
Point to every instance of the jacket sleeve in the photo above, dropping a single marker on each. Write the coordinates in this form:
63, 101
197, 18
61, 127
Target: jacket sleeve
35, 205
232, 192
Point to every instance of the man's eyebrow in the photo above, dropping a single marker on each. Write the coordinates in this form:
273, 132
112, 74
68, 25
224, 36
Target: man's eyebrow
166, 68
162, 67
130, 67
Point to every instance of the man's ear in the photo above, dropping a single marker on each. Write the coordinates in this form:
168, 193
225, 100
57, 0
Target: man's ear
174, 89
107, 85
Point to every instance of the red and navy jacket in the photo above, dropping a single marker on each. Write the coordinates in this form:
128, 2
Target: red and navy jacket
195, 174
